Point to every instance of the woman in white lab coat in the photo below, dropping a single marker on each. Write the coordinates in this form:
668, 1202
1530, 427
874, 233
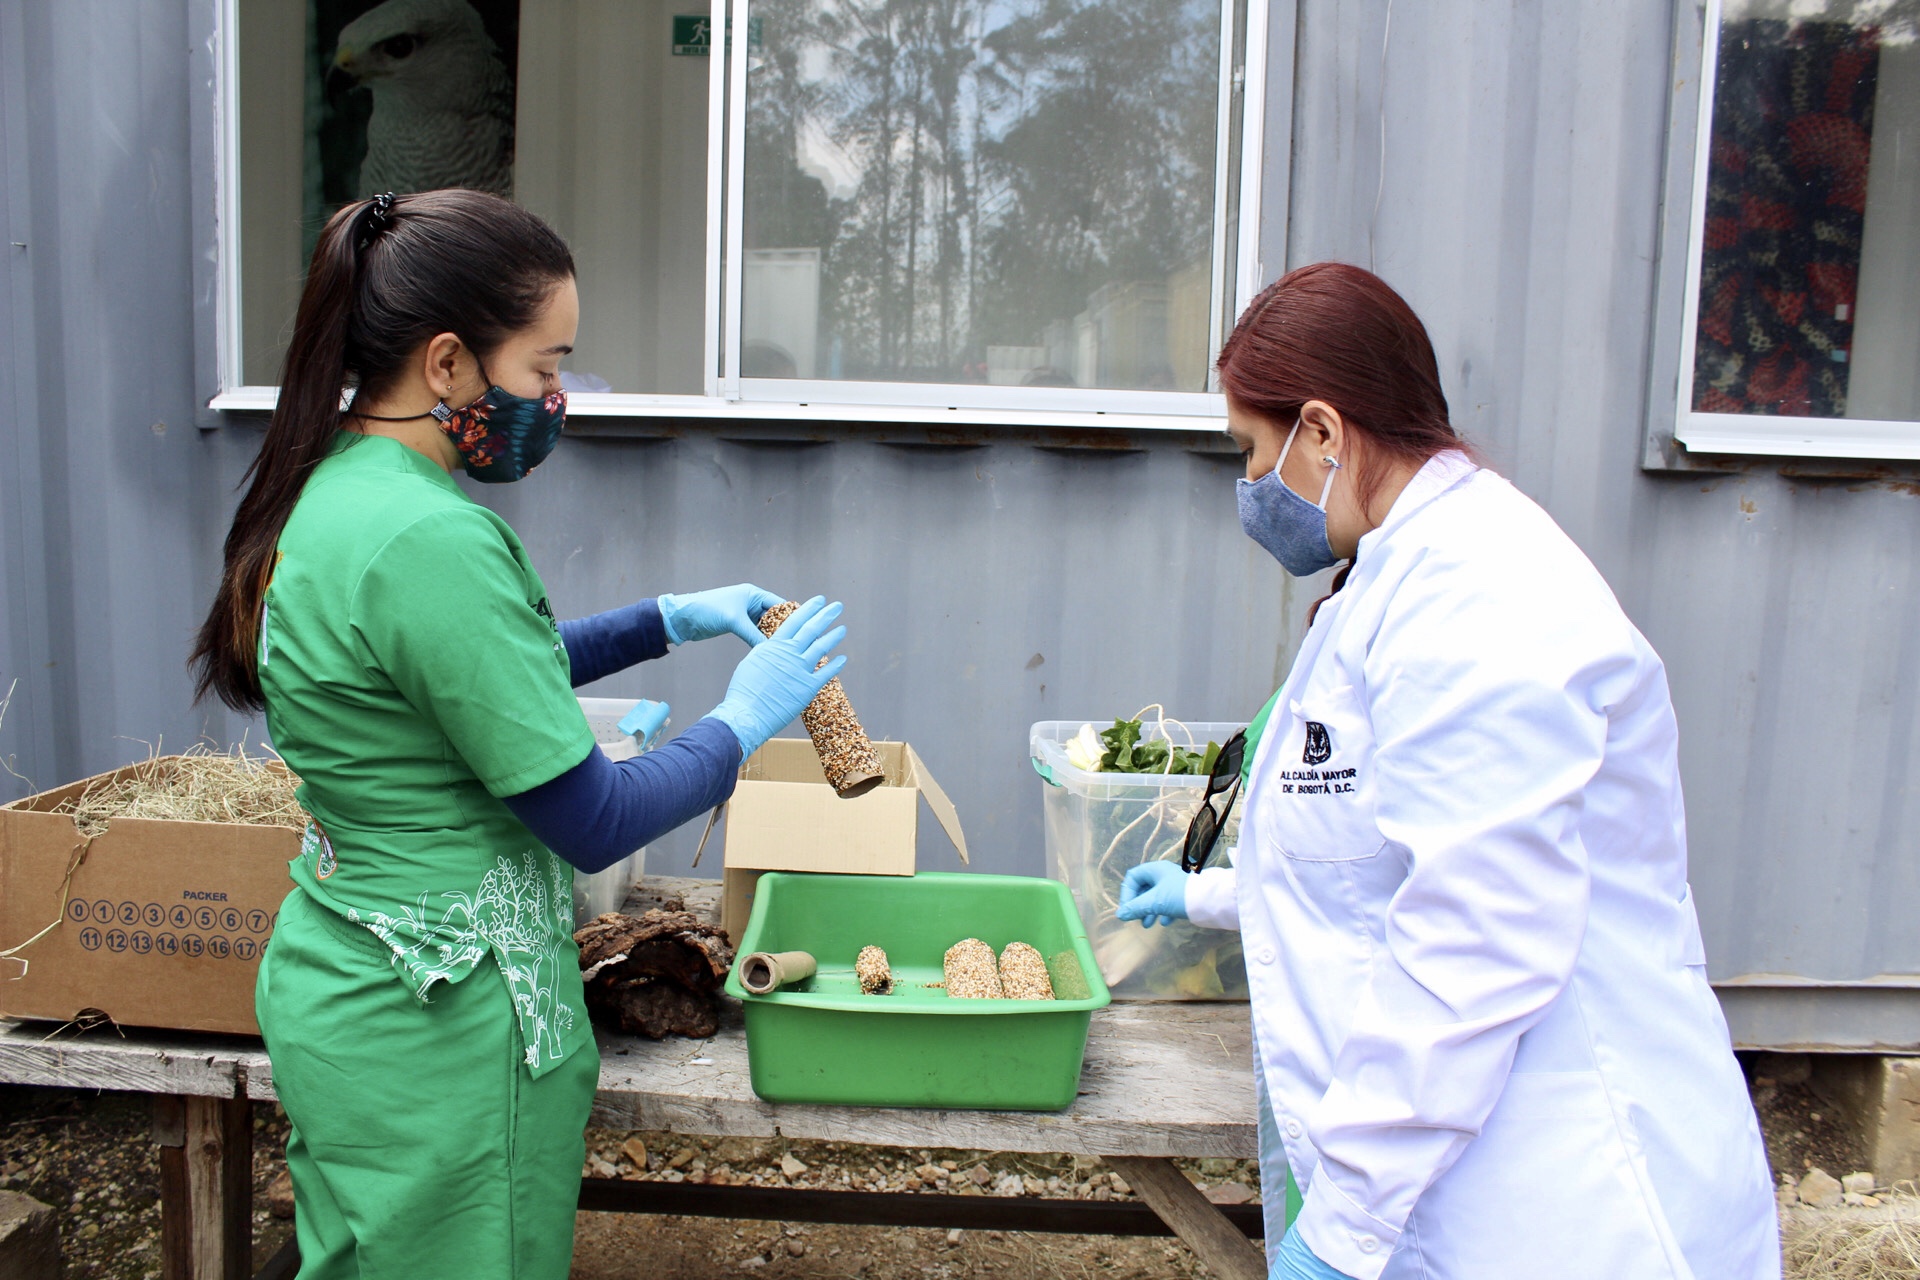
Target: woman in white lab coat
1486, 1047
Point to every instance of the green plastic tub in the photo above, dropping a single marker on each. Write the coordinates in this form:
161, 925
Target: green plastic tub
823, 1041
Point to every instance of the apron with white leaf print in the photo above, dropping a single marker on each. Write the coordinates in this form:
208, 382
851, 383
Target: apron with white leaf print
520, 913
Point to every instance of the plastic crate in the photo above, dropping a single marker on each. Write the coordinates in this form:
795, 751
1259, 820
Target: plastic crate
1099, 826
823, 1041
605, 890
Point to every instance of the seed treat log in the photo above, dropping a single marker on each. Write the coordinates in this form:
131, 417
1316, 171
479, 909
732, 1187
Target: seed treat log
1023, 973
873, 971
972, 973
846, 753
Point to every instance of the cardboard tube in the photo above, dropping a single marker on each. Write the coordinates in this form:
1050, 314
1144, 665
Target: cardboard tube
846, 753
764, 972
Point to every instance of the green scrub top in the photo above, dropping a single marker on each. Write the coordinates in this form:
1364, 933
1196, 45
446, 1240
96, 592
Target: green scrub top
1255, 731
414, 674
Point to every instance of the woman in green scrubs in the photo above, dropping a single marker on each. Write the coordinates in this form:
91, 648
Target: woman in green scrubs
421, 996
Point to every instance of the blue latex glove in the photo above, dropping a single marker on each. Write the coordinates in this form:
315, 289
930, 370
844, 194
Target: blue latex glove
1294, 1261
775, 682
706, 614
1154, 893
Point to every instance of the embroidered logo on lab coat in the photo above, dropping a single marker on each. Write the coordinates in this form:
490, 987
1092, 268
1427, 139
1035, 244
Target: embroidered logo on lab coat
1319, 744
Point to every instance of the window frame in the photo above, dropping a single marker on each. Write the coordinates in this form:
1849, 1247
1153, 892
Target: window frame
1237, 268
1691, 431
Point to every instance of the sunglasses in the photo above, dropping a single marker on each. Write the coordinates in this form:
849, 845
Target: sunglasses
1208, 821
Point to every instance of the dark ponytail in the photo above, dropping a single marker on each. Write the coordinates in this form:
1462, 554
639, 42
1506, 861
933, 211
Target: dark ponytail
387, 275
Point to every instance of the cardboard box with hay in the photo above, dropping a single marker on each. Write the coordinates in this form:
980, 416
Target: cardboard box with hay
146, 895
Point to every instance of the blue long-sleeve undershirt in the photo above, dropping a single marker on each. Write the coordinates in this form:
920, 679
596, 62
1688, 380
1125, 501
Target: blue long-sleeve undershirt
599, 811
604, 643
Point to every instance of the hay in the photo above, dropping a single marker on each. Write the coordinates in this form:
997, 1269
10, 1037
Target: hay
200, 785
1870, 1243
6, 762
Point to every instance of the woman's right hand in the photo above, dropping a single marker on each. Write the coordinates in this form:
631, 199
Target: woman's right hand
1154, 893
779, 677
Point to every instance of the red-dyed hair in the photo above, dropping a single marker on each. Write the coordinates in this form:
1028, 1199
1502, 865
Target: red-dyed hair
1338, 333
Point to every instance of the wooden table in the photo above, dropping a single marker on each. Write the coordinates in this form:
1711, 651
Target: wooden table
1160, 1080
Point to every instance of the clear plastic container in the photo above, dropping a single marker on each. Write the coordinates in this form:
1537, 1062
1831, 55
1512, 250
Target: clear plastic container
1101, 825
604, 891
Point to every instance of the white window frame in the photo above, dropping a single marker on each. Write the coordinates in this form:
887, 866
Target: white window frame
1741, 433
730, 397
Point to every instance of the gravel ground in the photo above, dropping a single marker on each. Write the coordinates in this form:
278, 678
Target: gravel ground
1801, 1131
608, 1247
823, 1166
89, 1156
701, 1249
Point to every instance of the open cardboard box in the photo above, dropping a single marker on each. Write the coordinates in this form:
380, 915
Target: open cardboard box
785, 817
161, 924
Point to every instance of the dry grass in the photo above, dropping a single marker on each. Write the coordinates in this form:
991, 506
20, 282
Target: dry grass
1877, 1243
6, 762
199, 785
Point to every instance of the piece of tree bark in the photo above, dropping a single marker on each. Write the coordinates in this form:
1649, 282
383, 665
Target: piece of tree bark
656, 974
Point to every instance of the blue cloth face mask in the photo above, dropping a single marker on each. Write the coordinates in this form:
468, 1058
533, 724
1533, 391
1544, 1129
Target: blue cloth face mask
500, 436
1293, 530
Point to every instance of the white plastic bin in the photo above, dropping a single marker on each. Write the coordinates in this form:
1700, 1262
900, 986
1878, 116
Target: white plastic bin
1101, 825
605, 890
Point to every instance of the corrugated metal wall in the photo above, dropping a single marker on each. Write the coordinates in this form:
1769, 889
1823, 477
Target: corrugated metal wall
112, 502
1517, 203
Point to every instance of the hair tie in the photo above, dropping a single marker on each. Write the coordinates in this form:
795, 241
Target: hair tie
379, 218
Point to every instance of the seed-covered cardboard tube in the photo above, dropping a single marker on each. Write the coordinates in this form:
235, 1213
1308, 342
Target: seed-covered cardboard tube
1023, 973
846, 753
765, 972
875, 975
972, 971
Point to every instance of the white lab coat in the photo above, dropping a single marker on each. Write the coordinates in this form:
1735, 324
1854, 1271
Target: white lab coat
1478, 987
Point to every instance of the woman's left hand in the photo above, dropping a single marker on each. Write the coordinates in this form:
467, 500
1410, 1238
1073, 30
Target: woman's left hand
1294, 1261
1153, 893
706, 614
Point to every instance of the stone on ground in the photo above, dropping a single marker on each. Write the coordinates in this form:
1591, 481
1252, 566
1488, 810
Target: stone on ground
29, 1239
1820, 1189
1230, 1193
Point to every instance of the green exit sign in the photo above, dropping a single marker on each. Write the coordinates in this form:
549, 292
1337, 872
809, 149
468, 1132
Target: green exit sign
693, 35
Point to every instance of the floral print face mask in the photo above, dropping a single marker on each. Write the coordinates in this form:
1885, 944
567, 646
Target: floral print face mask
500, 436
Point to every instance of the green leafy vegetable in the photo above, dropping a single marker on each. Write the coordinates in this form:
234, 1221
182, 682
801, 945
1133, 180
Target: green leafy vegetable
1126, 753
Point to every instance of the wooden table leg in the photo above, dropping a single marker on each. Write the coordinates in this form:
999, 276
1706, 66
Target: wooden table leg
1193, 1217
206, 1187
